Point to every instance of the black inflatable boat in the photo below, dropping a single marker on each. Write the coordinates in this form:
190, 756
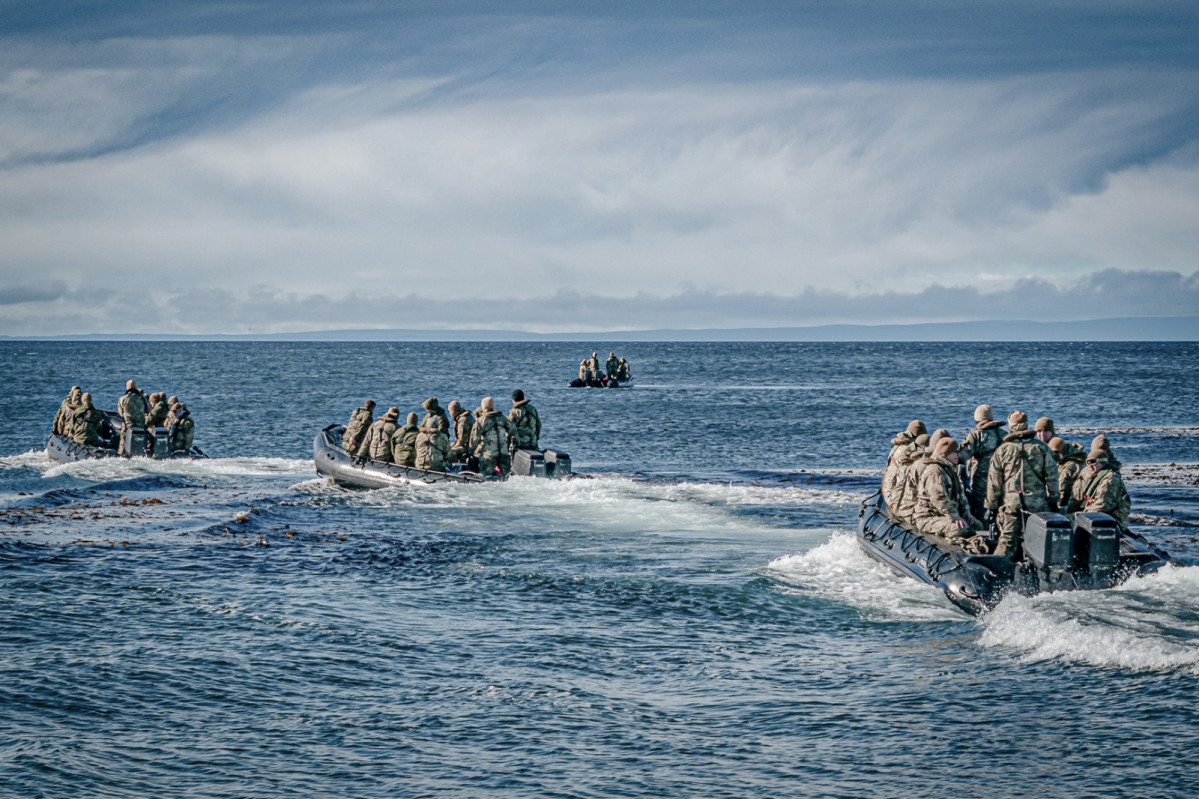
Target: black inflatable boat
606, 382
1084, 551
142, 443
334, 462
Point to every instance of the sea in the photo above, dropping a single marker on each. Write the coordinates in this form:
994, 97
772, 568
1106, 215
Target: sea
690, 617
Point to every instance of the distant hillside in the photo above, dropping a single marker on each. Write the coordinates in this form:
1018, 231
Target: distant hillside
1169, 328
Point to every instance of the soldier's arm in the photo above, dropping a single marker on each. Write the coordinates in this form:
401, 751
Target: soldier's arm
933, 486
994, 485
1051, 480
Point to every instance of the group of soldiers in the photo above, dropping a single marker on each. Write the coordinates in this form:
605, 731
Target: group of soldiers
614, 369
483, 440
1009, 473
80, 421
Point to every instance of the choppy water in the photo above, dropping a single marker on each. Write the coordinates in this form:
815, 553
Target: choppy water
695, 619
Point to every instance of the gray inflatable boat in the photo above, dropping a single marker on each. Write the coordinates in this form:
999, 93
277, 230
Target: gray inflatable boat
142, 443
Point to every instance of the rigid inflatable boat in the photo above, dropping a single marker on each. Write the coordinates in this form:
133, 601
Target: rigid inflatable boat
1059, 553
341, 467
142, 443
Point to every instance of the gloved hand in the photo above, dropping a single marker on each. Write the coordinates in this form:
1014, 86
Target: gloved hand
990, 518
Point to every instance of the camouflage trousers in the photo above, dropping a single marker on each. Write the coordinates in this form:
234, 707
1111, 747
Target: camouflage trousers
488, 461
1010, 522
977, 497
941, 526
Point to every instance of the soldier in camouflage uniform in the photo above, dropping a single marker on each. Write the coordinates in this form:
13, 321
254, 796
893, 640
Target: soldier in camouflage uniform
403, 442
1022, 478
525, 423
85, 423
378, 438
942, 508
1100, 442
132, 407
464, 422
489, 439
357, 427
432, 408
898, 445
977, 448
182, 433
907, 480
159, 410
1070, 458
1100, 489
622, 370
62, 419
433, 446
612, 366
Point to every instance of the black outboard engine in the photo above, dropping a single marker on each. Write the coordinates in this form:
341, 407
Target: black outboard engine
528, 463
134, 440
1097, 547
1049, 546
557, 463
162, 443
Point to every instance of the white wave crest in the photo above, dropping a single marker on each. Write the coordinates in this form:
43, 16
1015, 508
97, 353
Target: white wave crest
840, 571
103, 469
1146, 624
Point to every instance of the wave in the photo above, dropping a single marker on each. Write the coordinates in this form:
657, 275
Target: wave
838, 570
1146, 624
108, 469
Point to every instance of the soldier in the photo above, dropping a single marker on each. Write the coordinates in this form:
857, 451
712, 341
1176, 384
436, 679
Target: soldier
1070, 459
584, 374
464, 422
593, 366
1100, 489
357, 427
132, 407
159, 410
62, 419
433, 445
525, 422
1022, 478
489, 439
977, 448
1044, 428
378, 438
432, 408
403, 442
1100, 442
911, 466
612, 366
182, 432
942, 508
622, 370
85, 422
898, 444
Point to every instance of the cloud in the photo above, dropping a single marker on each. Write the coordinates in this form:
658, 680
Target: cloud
1106, 294
37, 292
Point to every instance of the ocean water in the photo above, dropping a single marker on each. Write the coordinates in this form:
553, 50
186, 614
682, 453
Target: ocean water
691, 618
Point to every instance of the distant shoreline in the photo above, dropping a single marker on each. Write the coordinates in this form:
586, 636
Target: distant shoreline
1127, 329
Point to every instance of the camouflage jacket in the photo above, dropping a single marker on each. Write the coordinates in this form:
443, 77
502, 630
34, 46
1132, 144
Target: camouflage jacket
1103, 492
62, 419
891, 475
157, 417
183, 432
489, 437
1068, 468
133, 407
378, 440
85, 425
403, 445
941, 493
612, 366
525, 424
463, 424
908, 487
432, 449
1022, 475
356, 430
977, 448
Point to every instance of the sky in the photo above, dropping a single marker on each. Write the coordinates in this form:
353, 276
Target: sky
265, 167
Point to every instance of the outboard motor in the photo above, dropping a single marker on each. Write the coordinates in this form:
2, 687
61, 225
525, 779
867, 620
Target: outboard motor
557, 464
1049, 545
134, 440
528, 463
162, 444
1097, 547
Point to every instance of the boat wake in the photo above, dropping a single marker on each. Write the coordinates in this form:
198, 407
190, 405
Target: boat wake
1147, 624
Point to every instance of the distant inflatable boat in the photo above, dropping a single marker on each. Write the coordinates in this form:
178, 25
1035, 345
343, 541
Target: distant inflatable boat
604, 383
142, 443
1088, 551
333, 462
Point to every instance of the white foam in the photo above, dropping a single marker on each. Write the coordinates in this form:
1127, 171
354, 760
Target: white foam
33, 459
1146, 624
103, 469
840, 571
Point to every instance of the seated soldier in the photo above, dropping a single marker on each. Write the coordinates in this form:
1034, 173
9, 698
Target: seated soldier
403, 442
1100, 489
86, 423
942, 508
464, 422
378, 438
182, 432
360, 422
433, 445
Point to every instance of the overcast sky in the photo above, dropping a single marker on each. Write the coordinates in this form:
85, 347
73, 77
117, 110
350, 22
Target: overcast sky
223, 167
